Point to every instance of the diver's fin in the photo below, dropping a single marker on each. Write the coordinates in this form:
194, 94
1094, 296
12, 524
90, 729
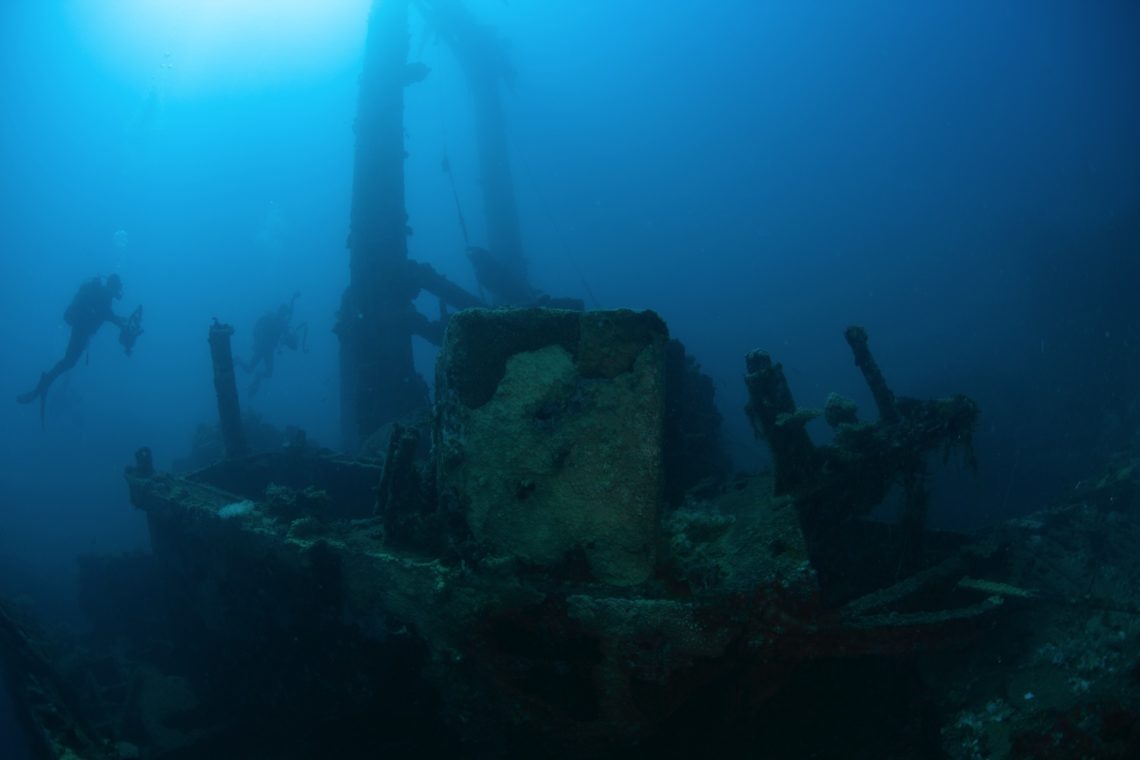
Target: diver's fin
34, 393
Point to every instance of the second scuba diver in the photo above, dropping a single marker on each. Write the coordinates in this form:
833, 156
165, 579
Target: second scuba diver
273, 330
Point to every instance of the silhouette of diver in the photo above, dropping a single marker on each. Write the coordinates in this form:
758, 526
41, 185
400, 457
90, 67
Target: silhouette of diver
89, 309
270, 332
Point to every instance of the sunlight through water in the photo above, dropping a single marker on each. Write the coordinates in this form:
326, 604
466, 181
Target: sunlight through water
225, 42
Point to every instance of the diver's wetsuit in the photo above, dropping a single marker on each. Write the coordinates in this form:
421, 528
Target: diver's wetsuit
90, 308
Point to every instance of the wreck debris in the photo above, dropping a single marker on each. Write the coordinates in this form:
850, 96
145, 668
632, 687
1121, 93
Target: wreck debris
772, 412
399, 485
577, 666
47, 704
144, 462
996, 588
1058, 679
522, 628
884, 397
696, 463
853, 474
838, 410
533, 557
405, 499
582, 666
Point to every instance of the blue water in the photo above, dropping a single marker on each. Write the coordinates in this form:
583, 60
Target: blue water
960, 178
13, 743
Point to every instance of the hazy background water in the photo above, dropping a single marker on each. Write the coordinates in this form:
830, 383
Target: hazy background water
959, 177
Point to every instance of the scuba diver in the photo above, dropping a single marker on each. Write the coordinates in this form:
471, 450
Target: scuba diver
89, 309
270, 332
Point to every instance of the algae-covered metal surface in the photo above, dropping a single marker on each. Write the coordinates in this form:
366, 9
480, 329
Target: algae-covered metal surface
565, 455
521, 587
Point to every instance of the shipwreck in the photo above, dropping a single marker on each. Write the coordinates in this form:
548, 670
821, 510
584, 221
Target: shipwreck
552, 556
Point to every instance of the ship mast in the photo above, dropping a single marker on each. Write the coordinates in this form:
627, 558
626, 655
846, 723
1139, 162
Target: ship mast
378, 380
377, 319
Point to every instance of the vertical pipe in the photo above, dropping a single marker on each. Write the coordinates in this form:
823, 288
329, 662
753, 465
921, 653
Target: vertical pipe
225, 386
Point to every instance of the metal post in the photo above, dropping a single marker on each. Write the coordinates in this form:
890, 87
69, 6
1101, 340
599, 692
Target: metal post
225, 386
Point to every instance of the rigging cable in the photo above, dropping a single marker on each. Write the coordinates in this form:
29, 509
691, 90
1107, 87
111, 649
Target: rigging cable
446, 165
